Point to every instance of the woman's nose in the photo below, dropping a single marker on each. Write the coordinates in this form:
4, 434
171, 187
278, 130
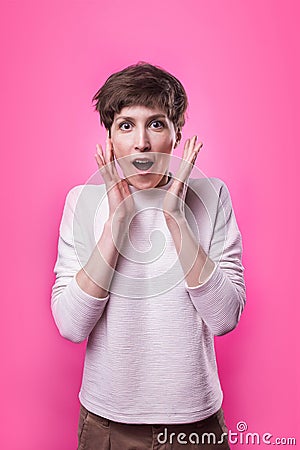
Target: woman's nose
142, 141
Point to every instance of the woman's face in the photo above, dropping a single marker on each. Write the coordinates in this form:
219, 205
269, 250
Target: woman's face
143, 140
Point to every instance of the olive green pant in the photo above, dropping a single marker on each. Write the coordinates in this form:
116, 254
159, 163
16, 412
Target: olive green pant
98, 433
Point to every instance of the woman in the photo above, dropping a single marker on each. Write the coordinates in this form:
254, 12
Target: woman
148, 270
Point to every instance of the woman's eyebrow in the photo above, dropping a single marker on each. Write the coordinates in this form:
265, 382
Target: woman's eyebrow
154, 116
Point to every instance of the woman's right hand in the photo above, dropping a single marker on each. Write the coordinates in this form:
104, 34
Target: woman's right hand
120, 200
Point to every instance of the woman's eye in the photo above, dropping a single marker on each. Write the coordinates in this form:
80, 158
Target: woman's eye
125, 126
157, 124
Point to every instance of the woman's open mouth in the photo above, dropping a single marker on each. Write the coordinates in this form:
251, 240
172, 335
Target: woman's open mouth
142, 163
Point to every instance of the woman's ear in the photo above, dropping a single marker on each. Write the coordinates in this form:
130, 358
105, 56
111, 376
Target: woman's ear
178, 138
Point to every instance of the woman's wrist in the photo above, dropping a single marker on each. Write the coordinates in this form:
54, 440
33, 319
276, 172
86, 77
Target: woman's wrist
175, 219
116, 229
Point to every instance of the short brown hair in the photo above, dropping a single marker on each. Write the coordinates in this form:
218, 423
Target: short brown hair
141, 84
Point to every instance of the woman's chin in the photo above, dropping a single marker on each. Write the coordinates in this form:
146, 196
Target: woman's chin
147, 181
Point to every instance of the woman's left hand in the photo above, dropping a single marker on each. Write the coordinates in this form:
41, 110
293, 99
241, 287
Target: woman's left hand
174, 201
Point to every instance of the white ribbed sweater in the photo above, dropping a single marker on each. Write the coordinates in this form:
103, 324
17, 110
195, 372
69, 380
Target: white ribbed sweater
150, 354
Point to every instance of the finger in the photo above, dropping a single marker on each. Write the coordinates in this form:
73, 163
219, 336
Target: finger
193, 151
98, 161
107, 158
192, 159
193, 143
111, 159
103, 167
188, 152
113, 163
194, 139
109, 155
185, 148
125, 186
196, 150
99, 155
187, 163
189, 146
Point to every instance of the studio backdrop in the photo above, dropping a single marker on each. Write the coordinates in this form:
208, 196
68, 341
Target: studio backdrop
239, 63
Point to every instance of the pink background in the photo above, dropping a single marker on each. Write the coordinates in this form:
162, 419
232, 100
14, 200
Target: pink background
239, 62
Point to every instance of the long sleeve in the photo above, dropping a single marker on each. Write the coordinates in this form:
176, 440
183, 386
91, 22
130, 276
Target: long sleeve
75, 312
220, 300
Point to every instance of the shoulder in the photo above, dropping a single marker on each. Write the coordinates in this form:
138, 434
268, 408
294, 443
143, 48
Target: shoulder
207, 183
212, 192
81, 205
86, 194
208, 187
